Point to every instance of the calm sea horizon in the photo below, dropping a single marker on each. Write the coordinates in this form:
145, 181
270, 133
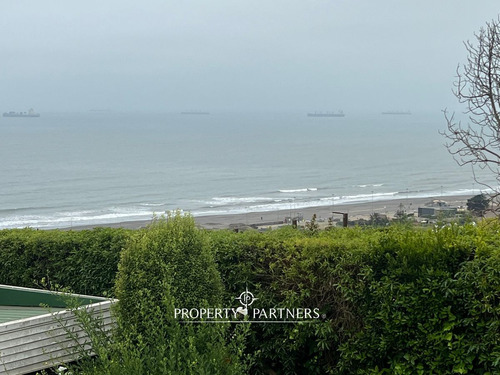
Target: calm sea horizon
65, 169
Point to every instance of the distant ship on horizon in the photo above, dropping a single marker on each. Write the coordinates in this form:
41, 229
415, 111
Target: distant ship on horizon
30, 113
396, 113
195, 113
326, 114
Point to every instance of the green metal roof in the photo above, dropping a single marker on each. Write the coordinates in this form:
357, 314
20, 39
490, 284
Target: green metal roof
34, 327
11, 313
19, 303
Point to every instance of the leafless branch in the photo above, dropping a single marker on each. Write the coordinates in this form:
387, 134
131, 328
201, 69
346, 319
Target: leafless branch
477, 86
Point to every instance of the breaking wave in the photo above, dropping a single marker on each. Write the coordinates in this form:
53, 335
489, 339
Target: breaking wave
297, 190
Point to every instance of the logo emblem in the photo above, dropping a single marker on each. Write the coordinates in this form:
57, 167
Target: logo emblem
246, 299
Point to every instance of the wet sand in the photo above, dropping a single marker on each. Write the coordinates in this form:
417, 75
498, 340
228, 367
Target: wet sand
270, 218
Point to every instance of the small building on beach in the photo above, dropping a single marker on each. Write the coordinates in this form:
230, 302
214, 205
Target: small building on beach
437, 208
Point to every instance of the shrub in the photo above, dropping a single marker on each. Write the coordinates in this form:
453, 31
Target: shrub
170, 265
396, 300
84, 262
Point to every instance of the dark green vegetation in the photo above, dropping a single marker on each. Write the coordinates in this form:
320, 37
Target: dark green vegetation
478, 204
397, 300
85, 262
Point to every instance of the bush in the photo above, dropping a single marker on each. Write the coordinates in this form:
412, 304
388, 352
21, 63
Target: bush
396, 300
84, 262
291, 268
170, 265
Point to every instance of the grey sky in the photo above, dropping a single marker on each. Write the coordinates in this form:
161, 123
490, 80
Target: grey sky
283, 55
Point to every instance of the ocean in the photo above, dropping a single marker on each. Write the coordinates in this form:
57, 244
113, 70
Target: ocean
67, 169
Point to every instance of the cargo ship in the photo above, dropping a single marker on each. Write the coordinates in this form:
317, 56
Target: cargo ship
326, 114
396, 113
195, 113
30, 113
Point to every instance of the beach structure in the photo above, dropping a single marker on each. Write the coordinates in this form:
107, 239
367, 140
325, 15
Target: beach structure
239, 227
38, 331
345, 218
437, 208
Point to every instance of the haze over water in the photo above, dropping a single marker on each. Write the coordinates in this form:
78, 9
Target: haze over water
257, 67
98, 167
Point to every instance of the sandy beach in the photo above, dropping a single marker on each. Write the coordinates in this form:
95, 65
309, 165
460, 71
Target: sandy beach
270, 218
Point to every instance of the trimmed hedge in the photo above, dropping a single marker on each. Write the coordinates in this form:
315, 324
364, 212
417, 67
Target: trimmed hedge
396, 300
82, 261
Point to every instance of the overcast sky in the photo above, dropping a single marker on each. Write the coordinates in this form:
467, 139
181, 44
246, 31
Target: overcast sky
232, 55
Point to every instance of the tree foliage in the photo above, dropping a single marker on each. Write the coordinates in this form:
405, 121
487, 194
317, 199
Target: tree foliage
477, 86
478, 204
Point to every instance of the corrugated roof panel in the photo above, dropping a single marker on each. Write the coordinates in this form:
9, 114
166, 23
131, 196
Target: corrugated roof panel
43, 341
35, 327
10, 313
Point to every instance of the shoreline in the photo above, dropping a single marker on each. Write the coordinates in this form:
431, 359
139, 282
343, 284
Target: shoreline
269, 218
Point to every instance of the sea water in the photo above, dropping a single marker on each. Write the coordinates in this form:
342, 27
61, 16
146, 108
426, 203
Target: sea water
66, 169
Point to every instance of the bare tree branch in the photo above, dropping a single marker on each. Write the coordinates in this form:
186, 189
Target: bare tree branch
477, 86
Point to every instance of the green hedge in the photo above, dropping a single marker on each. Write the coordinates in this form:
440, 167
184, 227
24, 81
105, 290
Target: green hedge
82, 261
396, 300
